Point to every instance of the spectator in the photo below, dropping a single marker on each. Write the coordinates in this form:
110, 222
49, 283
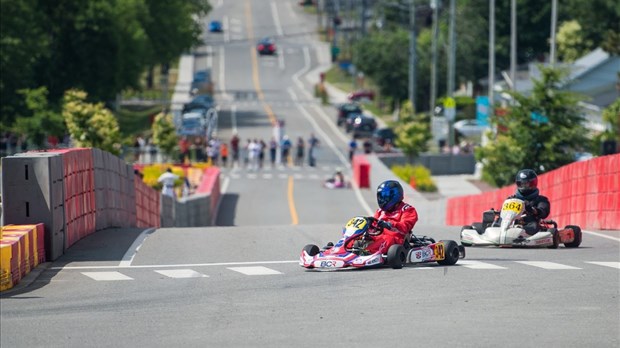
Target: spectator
273, 147
352, 148
367, 146
234, 146
224, 154
261, 153
167, 180
299, 158
183, 150
286, 147
314, 143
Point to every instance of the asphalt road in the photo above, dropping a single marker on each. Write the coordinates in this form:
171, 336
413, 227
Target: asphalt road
239, 284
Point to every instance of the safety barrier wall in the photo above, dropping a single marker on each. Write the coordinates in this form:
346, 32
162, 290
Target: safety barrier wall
585, 193
21, 250
210, 185
147, 205
361, 171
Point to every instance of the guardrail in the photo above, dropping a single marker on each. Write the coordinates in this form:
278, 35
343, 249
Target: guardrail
582, 193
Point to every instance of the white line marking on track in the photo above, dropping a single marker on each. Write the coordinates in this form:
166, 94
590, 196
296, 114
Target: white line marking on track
547, 265
181, 273
106, 276
478, 265
601, 235
135, 246
276, 19
256, 270
178, 265
606, 264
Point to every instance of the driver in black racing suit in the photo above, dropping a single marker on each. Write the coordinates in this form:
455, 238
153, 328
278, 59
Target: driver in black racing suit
537, 206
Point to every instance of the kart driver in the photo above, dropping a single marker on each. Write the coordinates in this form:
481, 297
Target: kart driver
537, 206
395, 217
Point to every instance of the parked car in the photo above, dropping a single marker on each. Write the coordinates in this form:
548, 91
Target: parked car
266, 46
360, 125
469, 128
202, 83
215, 27
382, 135
361, 95
345, 110
200, 102
192, 123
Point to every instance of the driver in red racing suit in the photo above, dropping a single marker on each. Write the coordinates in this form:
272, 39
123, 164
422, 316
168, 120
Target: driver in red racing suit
395, 217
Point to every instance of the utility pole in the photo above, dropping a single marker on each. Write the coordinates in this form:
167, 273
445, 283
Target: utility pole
491, 55
554, 21
363, 18
412, 54
435, 7
452, 53
513, 45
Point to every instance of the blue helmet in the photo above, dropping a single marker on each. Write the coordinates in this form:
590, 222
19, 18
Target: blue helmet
389, 194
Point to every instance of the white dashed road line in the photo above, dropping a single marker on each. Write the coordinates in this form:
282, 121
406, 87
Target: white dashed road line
547, 265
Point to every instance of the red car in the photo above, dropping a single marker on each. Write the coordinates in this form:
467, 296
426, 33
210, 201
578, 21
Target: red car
361, 95
266, 46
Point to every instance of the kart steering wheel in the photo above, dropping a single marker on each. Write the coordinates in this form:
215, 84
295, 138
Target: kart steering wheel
373, 229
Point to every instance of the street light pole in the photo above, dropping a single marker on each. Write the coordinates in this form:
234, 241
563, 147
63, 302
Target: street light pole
554, 21
452, 53
513, 45
434, 6
491, 55
412, 54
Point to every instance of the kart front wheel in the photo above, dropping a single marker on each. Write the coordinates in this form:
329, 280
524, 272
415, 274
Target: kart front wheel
311, 249
577, 240
556, 238
396, 256
452, 253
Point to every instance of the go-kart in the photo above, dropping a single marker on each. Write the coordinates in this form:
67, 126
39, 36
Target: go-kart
508, 231
351, 250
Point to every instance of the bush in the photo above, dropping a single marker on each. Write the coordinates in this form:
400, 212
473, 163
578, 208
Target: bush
422, 176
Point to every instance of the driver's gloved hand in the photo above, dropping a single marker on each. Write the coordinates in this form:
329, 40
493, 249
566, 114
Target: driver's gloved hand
384, 224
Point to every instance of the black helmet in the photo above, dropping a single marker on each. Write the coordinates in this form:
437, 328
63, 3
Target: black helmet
526, 181
389, 194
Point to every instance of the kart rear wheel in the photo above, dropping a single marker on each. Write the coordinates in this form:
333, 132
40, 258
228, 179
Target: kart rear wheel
311, 249
396, 256
452, 253
556, 238
577, 241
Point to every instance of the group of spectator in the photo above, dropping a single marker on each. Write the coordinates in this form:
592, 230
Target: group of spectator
252, 154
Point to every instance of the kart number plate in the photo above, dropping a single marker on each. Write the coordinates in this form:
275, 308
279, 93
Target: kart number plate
328, 264
512, 206
440, 251
358, 223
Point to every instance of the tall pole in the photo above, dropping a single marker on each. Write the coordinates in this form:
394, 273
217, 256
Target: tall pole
452, 53
491, 55
363, 18
434, 6
412, 54
513, 44
554, 21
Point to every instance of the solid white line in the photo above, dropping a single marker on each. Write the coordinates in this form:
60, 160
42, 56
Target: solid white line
281, 58
276, 19
209, 57
303, 71
601, 235
179, 266
226, 28
135, 246
290, 8
222, 82
606, 264
547, 265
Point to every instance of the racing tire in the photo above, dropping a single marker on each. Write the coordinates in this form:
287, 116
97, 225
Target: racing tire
577, 241
452, 253
556, 238
312, 249
396, 256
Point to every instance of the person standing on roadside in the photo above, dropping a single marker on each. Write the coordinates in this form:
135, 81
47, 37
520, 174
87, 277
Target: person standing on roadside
224, 154
352, 148
313, 143
167, 180
273, 148
286, 147
299, 157
234, 146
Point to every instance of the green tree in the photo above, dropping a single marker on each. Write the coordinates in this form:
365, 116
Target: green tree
164, 133
90, 125
22, 43
611, 115
412, 131
41, 120
543, 131
571, 44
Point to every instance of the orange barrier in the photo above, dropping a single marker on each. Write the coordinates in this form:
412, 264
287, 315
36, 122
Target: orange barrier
361, 171
582, 193
21, 250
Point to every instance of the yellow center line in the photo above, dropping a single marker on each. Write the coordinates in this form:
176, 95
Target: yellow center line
253, 55
291, 202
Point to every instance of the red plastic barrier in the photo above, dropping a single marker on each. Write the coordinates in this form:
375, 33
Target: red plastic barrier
582, 193
361, 171
210, 184
147, 205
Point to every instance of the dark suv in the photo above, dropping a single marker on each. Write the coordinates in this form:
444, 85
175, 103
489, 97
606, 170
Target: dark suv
360, 125
345, 110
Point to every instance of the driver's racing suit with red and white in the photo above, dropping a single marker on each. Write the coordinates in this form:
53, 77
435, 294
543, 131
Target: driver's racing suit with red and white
402, 218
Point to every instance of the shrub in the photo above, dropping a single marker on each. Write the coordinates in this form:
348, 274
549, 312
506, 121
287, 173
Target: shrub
422, 176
